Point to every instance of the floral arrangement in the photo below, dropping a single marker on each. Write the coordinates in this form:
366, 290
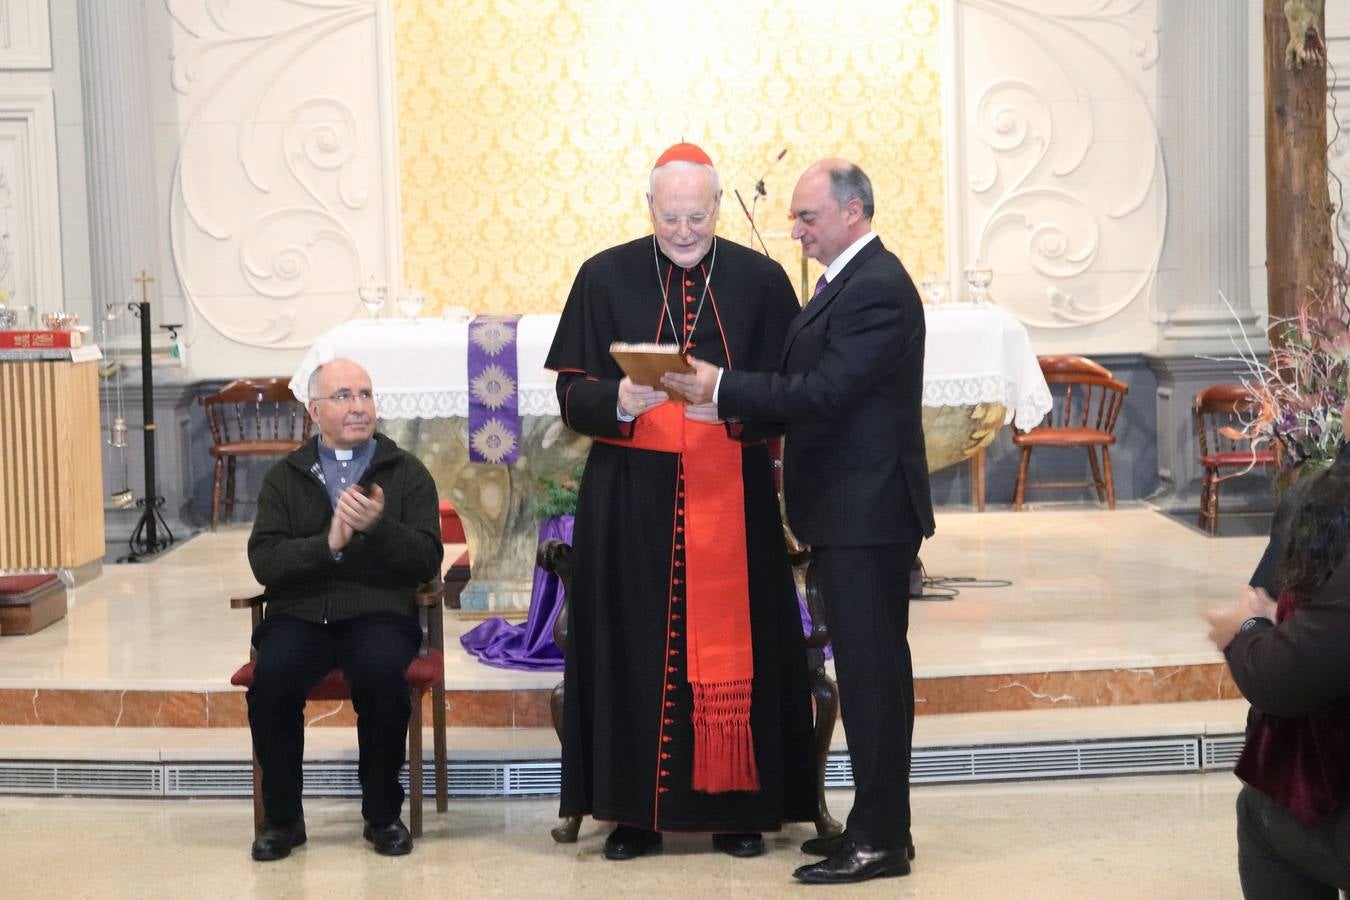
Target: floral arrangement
1301, 391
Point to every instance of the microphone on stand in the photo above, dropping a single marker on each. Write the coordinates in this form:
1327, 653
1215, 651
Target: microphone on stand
759, 185
760, 191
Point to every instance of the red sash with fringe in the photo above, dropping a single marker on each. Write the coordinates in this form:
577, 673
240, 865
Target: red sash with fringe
717, 593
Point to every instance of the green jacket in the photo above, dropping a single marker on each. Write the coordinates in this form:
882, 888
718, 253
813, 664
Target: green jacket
380, 569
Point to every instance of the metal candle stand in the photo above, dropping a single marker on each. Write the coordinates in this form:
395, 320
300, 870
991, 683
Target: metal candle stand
145, 539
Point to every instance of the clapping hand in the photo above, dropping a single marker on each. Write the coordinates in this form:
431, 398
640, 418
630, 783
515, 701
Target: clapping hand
359, 510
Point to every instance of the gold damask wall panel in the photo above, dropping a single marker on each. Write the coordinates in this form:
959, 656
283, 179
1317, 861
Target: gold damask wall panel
527, 130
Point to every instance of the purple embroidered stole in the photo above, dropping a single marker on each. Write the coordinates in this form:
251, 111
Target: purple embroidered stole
494, 390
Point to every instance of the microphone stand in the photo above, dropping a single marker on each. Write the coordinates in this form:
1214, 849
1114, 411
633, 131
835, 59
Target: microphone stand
145, 540
750, 210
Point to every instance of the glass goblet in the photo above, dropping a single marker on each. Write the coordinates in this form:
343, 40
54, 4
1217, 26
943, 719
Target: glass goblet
978, 277
410, 303
935, 289
372, 295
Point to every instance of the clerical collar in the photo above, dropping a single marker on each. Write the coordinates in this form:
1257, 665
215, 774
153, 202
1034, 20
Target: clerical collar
341, 455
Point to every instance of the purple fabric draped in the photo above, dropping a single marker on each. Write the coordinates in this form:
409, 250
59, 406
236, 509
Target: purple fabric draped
494, 390
496, 642
530, 647
805, 614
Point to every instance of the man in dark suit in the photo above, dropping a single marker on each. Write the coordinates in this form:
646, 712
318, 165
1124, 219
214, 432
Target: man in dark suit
849, 390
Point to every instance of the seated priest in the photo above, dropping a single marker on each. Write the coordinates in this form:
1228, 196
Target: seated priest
348, 526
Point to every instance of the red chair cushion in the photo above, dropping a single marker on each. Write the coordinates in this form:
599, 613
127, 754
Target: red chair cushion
22, 584
1063, 437
422, 673
1238, 459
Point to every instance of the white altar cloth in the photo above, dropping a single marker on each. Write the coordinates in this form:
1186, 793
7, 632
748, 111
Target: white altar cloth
974, 354
982, 354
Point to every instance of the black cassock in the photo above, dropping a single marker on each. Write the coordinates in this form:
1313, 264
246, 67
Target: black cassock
627, 734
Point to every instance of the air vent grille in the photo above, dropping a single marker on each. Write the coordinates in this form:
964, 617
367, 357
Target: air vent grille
542, 778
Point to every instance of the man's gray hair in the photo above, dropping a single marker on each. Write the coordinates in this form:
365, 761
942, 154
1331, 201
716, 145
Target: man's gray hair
716, 181
851, 183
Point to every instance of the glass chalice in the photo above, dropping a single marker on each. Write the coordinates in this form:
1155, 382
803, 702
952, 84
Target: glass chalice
372, 295
935, 289
978, 277
410, 303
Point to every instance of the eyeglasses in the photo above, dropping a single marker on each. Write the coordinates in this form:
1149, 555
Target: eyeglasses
345, 397
695, 220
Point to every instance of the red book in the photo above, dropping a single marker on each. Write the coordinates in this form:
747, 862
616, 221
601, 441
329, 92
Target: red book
40, 340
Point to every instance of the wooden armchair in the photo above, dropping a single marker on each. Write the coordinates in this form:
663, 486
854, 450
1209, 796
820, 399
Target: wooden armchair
1087, 403
425, 673
251, 417
556, 557
1218, 409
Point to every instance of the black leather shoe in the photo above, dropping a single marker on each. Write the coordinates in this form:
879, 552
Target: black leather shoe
275, 841
627, 842
830, 844
743, 845
855, 862
389, 840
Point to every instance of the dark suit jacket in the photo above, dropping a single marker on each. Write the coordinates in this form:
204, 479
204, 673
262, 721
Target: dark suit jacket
849, 388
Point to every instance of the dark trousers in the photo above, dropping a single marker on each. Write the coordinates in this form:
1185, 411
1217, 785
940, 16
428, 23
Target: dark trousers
866, 594
1279, 858
373, 653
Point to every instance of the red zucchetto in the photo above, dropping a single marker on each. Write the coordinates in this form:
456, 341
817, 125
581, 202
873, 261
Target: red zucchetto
683, 152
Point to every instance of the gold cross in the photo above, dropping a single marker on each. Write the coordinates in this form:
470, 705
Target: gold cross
143, 280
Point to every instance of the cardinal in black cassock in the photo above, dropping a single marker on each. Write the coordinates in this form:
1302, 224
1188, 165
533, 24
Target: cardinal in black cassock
687, 706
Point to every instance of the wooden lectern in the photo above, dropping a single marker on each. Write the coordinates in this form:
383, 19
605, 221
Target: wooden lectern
51, 470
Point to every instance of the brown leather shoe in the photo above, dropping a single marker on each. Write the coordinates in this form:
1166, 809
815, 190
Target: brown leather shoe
855, 862
274, 841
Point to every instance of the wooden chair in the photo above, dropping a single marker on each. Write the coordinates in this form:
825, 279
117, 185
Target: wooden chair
1087, 403
425, 673
251, 417
556, 556
1217, 413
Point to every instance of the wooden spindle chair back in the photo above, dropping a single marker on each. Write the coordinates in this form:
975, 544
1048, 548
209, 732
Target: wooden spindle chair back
1087, 405
250, 417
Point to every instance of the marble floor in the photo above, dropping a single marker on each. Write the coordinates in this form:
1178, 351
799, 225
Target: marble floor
1081, 588
1154, 837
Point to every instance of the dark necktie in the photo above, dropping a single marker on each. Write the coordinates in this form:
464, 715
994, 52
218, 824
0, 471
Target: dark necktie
820, 286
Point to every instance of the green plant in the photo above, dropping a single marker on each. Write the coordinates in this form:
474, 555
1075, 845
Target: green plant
560, 497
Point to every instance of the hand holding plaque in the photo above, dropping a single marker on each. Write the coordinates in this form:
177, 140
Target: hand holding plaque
646, 363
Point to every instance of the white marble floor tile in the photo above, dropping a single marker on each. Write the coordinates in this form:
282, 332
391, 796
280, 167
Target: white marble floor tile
1147, 838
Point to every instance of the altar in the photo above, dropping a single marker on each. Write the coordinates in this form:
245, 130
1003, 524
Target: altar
979, 375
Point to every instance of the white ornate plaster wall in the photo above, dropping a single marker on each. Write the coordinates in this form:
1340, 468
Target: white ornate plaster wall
43, 235
1055, 165
277, 160
1338, 121
279, 171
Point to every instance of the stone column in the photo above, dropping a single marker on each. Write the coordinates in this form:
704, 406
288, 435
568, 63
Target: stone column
1211, 185
1206, 48
119, 149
